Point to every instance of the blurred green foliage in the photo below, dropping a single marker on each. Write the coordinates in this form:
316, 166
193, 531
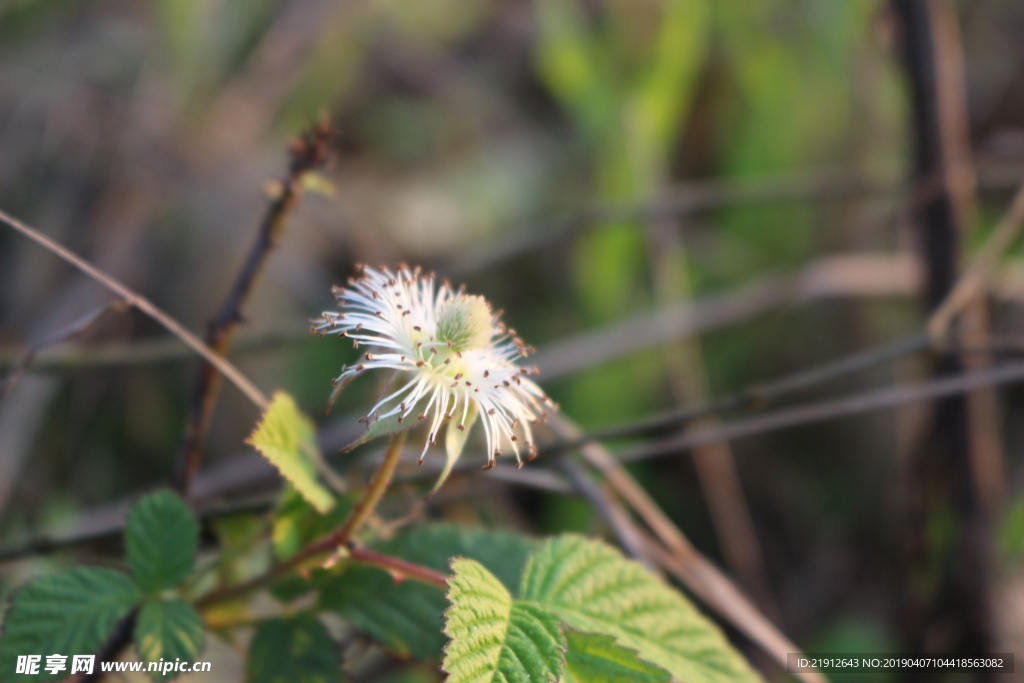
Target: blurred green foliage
140, 134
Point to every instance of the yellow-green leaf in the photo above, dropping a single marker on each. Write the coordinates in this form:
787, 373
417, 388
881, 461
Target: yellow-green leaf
593, 658
594, 589
287, 439
492, 637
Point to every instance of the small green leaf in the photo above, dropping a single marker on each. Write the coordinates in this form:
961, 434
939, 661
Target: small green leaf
70, 612
494, 638
297, 523
406, 616
454, 443
318, 183
161, 538
593, 658
392, 424
294, 650
594, 589
287, 439
168, 630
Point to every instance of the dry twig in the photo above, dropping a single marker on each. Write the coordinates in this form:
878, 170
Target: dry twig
307, 153
146, 306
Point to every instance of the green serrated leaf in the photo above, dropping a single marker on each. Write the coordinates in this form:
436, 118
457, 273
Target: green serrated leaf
161, 539
293, 650
492, 637
287, 439
454, 443
594, 589
406, 617
168, 630
70, 612
593, 658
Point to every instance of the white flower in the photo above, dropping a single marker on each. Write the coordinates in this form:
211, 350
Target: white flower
454, 359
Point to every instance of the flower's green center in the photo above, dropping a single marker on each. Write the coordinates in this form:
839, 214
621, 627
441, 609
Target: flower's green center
465, 321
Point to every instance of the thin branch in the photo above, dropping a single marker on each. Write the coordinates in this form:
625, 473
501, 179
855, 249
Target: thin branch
330, 543
19, 366
716, 588
757, 395
974, 277
613, 513
252, 469
858, 275
546, 480
398, 567
693, 569
307, 154
681, 200
365, 507
689, 382
537, 478
943, 464
142, 352
687, 199
45, 545
828, 410
851, 275
233, 374
335, 434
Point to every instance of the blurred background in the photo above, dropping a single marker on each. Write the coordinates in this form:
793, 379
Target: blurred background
672, 200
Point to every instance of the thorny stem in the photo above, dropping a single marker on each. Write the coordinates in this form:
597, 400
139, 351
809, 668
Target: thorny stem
339, 538
399, 567
308, 153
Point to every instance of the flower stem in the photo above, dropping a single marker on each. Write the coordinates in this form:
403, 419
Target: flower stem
381, 480
339, 538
